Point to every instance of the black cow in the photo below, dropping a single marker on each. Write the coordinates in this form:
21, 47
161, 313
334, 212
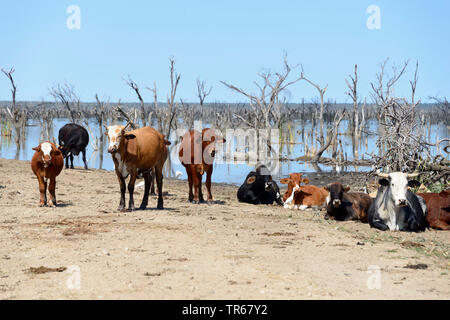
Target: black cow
73, 138
395, 207
259, 188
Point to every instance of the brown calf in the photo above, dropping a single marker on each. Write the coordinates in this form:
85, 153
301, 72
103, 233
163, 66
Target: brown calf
302, 197
438, 207
343, 205
196, 154
138, 151
47, 163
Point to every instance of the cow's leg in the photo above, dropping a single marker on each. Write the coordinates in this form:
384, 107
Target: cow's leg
133, 176
51, 190
159, 183
71, 161
208, 183
152, 182
191, 182
42, 191
148, 180
67, 162
84, 158
123, 188
198, 188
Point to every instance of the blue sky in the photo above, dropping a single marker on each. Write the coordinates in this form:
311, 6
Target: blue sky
219, 40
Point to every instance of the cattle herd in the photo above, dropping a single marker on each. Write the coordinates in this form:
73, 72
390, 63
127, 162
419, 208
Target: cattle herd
142, 153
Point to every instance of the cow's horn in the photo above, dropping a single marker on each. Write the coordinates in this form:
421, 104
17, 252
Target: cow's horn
383, 175
412, 175
127, 125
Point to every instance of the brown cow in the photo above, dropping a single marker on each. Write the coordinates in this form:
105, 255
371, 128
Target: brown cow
196, 154
302, 197
438, 207
137, 151
47, 163
343, 205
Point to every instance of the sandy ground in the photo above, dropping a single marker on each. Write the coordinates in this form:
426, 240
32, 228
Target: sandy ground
224, 250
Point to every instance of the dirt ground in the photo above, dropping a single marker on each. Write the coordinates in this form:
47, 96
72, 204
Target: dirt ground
85, 249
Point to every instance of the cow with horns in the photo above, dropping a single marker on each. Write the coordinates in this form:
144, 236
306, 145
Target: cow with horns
395, 206
139, 151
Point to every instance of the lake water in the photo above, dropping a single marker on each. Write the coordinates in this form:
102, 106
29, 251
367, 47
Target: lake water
224, 171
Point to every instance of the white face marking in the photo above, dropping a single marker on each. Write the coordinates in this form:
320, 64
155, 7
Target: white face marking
46, 148
303, 207
398, 185
122, 167
114, 136
291, 197
328, 199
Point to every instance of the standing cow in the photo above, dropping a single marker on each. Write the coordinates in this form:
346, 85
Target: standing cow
197, 152
395, 206
47, 163
137, 151
343, 205
259, 188
73, 138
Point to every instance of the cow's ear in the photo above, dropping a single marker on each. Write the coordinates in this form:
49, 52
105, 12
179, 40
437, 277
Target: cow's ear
347, 189
285, 180
305, 180
413, 183
327, 188
38, 148
56, 152
444, 193
129, 136
250, 180
383, 182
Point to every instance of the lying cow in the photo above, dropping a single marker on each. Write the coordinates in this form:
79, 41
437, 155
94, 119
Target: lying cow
438, 209
259, 188
73, 139
137, 151
395, 206
47, 163
197, 152
343, 205
302, 197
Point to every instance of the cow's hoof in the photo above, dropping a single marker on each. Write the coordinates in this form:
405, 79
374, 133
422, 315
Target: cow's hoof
130, 209
195, 202
142, 207
41, 204
52, 205
120, 208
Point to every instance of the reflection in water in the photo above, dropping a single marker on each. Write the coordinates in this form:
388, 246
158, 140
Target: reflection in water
227, 172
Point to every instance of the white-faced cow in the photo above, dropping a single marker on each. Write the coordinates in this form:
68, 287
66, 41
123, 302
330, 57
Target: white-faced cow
134, 152
395, 206
73, 139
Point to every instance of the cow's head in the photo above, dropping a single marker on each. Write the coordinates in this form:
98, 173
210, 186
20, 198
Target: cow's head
47, 150
209, 140
65, 150
398, 184
117, 134
336, 190
294, 181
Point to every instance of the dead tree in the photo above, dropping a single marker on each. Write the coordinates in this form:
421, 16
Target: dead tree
263, 103
356, 124
402, 145
65, 94
202, 92
99, 114
322, 105
135, 87
171, 105
331, 133
17, 116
